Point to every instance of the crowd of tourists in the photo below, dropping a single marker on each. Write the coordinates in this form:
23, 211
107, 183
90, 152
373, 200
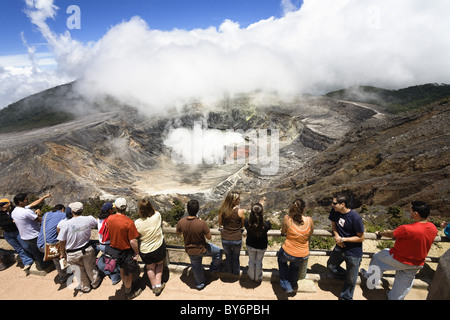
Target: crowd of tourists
62, 239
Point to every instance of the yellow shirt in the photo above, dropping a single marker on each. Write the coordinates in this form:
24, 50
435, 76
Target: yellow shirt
297, 239
150, 233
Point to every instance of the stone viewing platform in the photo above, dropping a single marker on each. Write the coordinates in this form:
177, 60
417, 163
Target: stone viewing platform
17, 285
430, 283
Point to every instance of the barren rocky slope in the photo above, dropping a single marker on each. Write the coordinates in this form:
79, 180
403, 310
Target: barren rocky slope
388, 162
325, 145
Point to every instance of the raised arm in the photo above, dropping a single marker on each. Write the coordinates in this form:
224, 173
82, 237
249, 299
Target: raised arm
38, 201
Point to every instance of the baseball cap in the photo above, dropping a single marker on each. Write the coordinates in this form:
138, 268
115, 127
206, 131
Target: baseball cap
107, 206
4, 202
76, 207
120, 203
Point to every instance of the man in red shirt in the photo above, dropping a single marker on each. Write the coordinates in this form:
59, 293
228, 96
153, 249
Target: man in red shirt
412, 244
124, 246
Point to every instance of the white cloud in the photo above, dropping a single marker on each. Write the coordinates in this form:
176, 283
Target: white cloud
326, 45
26, 74
19, 82
23, 75
44, 60
288, 6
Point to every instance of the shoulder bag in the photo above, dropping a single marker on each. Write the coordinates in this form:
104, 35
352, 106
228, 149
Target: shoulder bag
51, 249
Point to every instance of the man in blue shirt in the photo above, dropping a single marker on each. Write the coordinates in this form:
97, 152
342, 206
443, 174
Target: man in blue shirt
51, 220
348, 232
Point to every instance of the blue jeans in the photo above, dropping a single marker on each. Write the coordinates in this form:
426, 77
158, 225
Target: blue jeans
20, 246
350, 274
37, 254
404, 274
115, 275
232, 249
289, 274
197, 267
255, 257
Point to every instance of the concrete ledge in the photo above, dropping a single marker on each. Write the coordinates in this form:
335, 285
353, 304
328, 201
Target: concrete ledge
439, 287
306, 285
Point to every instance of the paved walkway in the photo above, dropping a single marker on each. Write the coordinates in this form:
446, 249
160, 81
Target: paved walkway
17, 285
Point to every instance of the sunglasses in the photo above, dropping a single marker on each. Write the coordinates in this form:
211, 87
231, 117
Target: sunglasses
334, 203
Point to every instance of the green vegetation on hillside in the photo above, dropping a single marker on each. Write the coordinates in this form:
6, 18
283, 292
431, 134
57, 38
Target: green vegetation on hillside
395, 101
12, 121
38, 111
45, 109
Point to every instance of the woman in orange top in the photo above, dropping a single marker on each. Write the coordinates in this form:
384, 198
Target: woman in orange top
293, 255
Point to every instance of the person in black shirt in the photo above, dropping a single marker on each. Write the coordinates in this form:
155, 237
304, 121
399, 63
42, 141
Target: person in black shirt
256, 241
348, 232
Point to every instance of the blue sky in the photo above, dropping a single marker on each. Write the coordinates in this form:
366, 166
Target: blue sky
18, 77
97, 16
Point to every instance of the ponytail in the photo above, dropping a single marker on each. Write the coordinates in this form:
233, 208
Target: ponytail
255, 220
296, 211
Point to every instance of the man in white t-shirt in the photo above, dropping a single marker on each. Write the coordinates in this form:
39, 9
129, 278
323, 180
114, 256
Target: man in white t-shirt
75, 236
28, 224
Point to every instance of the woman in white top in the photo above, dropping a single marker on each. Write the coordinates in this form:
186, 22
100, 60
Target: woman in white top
152, 247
